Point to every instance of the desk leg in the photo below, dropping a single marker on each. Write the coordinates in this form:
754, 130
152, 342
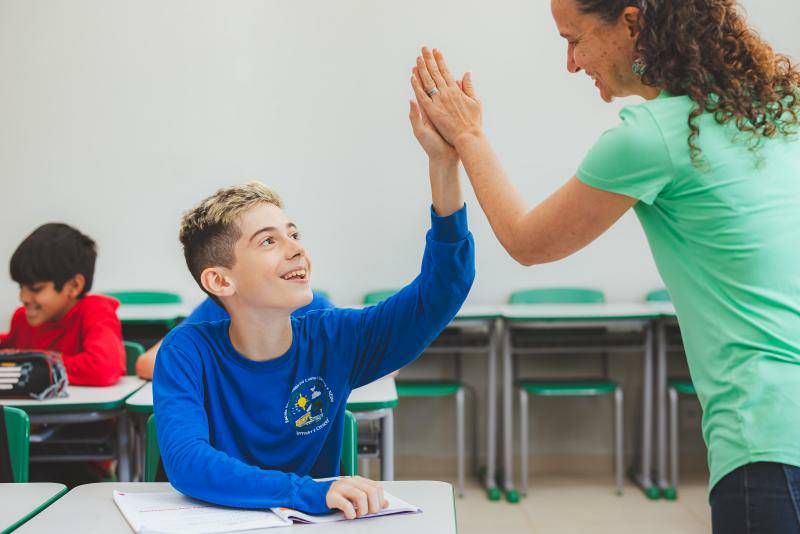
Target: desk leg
387, 445
123, 448
508, 428
644, 478
492, 492
661, 395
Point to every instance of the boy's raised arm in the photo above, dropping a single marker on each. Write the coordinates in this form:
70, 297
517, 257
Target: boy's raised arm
396, 331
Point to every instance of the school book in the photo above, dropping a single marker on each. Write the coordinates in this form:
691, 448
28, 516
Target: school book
174, 513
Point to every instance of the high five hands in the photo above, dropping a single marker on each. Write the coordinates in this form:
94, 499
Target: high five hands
444, 106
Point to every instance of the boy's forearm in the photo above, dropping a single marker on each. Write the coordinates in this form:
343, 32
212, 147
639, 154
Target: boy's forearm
445, 186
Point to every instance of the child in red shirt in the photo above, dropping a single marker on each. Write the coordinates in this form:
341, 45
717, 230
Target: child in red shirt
54, 267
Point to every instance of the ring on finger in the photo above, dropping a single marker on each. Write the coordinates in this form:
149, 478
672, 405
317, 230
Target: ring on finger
432, 92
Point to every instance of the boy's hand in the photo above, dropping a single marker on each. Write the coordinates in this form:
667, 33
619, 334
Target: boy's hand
356, 496
432, 143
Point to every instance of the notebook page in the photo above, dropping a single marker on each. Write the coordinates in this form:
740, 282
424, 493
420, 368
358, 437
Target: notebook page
396, 506
173, 513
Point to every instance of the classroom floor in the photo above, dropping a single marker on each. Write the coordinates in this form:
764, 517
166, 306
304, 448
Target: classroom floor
579, 504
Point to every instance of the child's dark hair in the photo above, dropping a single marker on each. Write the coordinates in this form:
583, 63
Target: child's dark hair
54, 252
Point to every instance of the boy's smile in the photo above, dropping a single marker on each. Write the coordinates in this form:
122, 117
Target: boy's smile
43, 303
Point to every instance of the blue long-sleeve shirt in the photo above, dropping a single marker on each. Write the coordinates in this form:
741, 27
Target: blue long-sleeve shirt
237, 432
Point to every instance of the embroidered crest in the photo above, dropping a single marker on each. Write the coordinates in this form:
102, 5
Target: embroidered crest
308, 406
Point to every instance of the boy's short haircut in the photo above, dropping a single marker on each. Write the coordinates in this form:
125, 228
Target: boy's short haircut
209, 231
54, 252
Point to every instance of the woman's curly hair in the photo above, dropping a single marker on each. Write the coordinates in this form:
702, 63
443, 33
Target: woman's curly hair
705, 49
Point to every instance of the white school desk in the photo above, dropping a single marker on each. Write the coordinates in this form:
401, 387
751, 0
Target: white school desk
166, 314
667, 319
637, 317
22, 501
90, 509
372, 401
84, 405
480, 330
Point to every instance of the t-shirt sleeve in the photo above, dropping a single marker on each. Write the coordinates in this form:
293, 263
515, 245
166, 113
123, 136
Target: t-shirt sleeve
631, 159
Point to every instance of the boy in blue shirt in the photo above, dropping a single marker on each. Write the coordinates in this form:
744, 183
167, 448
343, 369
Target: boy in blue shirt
249, 411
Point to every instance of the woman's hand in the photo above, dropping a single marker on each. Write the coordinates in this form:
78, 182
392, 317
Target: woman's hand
356, 496
432, 143
452, 107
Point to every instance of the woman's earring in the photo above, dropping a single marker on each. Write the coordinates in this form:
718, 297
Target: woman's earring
639, 67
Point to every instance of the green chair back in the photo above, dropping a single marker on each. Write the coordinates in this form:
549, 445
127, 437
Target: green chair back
374, 297
132, 352
18, 429
152, 456
349, 456
350, 445
658, 295
557, 295
146, 297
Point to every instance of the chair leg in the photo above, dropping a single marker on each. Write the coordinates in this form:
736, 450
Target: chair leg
460, 441
619, 445
523, 440
673, 437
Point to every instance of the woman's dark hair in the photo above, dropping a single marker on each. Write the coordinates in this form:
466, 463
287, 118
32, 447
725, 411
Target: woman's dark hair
54, 252
705, 49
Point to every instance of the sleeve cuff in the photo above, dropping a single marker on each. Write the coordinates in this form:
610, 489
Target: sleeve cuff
311, 496
450, 229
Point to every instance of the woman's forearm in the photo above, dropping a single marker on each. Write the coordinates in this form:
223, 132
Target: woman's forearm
446, 192
498, 197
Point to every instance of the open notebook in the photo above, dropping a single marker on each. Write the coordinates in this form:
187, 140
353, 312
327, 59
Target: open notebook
171, 512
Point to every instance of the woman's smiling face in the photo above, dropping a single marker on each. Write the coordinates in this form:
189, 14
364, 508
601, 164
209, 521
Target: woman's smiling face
604, 51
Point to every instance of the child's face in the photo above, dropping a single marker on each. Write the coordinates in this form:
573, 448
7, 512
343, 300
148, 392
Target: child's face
272, 269
43, 303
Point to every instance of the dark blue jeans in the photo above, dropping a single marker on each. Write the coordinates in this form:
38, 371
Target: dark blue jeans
758, 498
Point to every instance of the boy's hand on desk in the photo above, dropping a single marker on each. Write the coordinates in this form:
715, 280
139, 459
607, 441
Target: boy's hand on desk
356, 496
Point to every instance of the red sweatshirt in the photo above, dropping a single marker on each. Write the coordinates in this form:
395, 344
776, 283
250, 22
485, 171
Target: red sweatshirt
89, 338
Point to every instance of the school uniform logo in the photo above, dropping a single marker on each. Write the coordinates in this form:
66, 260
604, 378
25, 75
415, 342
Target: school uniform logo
308, 406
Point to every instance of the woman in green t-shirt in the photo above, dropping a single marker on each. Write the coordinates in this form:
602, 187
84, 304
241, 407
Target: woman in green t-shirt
710, 162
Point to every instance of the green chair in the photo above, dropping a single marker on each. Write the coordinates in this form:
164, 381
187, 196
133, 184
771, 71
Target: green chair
145, 297
566, 388
437, 388
132, 352
15, 448
557, 295
349, 456
658, 295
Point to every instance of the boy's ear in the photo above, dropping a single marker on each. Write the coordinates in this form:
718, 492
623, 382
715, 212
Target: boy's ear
74, 286
216, 280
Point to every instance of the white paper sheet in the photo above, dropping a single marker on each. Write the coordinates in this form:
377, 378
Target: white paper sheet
177, 514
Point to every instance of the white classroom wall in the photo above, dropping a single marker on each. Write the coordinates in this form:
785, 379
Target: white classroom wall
116, 116
119, 115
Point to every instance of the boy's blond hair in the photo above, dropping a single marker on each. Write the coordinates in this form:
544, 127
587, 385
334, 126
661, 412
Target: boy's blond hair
209, 231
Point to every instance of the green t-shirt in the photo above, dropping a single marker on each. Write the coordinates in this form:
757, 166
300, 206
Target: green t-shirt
726, 240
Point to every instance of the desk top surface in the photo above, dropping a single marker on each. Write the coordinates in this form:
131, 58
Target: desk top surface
20, 501
90, 509
152, 312
83, 398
